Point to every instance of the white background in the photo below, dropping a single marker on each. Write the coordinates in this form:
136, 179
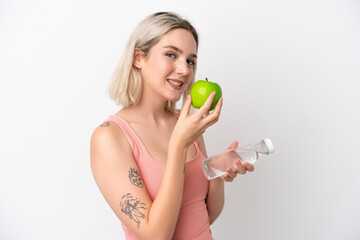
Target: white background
289, 71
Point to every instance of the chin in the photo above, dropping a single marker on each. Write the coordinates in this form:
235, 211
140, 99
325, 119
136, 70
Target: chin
174, 98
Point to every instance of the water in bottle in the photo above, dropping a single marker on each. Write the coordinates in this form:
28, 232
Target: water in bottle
217, 165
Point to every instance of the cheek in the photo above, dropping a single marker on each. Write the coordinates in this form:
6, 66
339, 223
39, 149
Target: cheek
161, 64
157, 67
164, 66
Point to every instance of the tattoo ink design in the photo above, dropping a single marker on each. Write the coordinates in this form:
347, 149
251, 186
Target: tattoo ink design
135, 177
184, 168
131, 207
105, 124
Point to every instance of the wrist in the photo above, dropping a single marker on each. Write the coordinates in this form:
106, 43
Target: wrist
177, 145
219, 181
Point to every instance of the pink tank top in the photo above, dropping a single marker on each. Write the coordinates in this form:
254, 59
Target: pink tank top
193, 220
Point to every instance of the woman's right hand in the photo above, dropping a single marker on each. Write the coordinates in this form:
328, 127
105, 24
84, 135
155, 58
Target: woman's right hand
191, 127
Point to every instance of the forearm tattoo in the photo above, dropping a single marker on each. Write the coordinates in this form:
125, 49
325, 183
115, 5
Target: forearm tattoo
132, 207
135, 177
105, 124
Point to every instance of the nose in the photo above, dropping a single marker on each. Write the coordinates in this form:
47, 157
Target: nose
183, 68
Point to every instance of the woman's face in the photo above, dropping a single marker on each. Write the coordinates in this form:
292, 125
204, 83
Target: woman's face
168, 68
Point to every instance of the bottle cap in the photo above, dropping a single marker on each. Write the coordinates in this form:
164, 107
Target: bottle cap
269, 145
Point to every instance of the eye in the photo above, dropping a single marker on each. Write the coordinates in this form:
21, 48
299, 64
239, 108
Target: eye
170, 55
191, 62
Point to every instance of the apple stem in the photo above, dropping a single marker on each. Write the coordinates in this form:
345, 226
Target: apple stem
206, 79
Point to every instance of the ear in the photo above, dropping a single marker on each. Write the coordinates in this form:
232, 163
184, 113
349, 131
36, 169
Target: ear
138, 58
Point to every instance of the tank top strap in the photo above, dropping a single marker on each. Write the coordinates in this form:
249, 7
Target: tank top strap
197, 148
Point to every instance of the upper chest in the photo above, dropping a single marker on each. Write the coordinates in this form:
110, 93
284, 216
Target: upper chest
156, 141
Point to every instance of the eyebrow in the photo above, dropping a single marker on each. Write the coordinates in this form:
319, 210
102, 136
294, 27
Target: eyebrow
179, 50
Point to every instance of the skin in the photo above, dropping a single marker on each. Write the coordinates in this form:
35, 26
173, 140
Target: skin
114, 168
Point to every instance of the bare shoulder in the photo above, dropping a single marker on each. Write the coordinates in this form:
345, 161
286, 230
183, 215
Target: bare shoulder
108, 140
107, 131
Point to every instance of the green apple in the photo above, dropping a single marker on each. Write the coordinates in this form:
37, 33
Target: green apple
201, 90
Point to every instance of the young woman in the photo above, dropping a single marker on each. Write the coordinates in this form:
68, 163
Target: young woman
146, 157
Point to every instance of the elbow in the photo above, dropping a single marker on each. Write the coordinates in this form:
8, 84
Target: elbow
213, 218
215, 213
157, 233
160, 233
155, 236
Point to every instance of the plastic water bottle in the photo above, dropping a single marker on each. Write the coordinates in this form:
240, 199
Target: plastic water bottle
216, 166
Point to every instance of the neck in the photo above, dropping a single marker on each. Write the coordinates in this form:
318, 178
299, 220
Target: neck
150, 110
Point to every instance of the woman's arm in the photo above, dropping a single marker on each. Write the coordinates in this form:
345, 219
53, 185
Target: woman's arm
112, 163
113, 166
215, 198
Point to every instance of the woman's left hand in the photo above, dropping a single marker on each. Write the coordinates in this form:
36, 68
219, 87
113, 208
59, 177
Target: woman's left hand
242, 167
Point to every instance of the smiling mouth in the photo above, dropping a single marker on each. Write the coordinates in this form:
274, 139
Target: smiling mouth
175, 83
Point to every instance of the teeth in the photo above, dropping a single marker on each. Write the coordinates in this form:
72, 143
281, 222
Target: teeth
175, 83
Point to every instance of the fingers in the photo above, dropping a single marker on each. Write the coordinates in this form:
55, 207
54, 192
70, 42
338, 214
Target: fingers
244, 167
213, 117
218, 106
186, 108
198, 122
249, 167
206, 106
216, 113
229, 176
204, 117
233, 145
241, 169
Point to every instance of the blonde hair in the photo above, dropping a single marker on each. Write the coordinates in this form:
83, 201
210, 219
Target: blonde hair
126, 83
